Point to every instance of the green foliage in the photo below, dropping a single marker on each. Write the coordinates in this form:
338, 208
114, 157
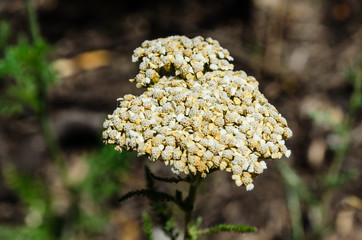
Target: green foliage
342, 179
162, 213
26, 74
92, 223
150, 194
106, 166
147, 226
324, 119
29, 189
195, 232
25, 78
23, 233
354, 76
159, 209
295, 182
33, 194
317, 196
230, 228
4, 34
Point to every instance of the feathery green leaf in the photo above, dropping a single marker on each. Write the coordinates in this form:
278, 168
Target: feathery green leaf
228, 228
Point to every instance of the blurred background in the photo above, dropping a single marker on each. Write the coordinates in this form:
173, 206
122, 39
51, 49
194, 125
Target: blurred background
64, 63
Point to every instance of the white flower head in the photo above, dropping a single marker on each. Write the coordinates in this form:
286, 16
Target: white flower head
200, 116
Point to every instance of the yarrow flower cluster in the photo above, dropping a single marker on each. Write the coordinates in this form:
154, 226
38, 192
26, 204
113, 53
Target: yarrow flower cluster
197, 114
188, 58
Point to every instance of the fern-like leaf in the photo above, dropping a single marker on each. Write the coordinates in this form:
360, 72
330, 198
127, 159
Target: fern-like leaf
228, 228
151, 194
177, 179
149, 178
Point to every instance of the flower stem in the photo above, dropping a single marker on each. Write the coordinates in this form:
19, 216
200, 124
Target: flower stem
189, 204
34, 27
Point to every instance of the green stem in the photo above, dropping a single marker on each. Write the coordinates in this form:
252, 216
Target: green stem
53, 146
189, 203
334, 172
43, 118
341, 150
295, 214
333, 176
33, 23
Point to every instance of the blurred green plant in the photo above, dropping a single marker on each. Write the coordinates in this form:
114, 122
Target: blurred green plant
4, 33
43, 221
147, 226
26, 75
34, 196
105, 166
316, 195
100, 185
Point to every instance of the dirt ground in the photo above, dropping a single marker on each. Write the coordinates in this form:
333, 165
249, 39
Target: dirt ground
299, 52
